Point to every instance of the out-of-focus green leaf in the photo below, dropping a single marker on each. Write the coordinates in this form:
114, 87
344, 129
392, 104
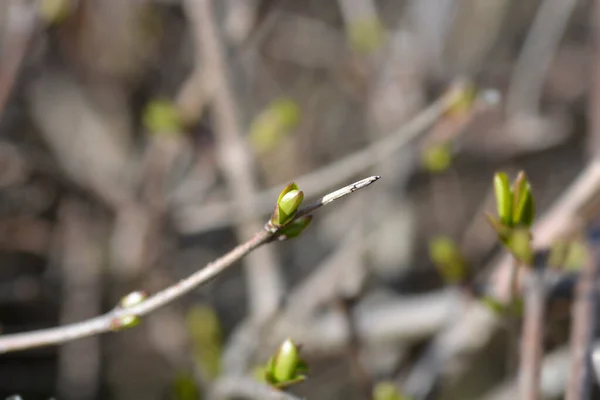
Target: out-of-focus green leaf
558, 253
54, 12
184, 388
205, 331
462, 99
437, 158
366, 36
576, 255
260, 373
273, 124
161, 116
501, 309
569, 255
448, 259
387, 391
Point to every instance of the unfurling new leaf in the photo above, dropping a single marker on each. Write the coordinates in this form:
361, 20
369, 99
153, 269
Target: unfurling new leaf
295, 227
516, 210
503, 198
523, 206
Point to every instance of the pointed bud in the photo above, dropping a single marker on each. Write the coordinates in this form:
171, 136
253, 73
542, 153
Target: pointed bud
285, 362
288, 202
133, 299
286, 190
523, 204
295, 227
504, 198
288, 205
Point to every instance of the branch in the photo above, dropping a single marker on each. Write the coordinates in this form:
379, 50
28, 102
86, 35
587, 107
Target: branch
111, 320
542, 40
265, 284
583, 323
553, 378
471, 331
21, 24
532, 337
362, 377
194, 220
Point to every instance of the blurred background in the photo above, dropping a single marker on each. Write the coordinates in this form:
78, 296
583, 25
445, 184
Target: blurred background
141, 139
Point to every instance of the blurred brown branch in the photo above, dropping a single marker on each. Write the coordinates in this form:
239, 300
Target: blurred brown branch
582, 333
193, 219
532, 337
265, 283
20, 26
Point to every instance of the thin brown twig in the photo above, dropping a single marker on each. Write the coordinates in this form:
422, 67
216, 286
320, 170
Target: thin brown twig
111, 320
553, 381
593, 141
19, 30
79, 362
363, 379
513, 322
582, 333
532, 338
530, 69
584, 308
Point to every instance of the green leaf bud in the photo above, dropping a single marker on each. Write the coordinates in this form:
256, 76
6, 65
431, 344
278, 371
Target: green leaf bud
288, 202
133, 299
523, 204
285, 362
504, 198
